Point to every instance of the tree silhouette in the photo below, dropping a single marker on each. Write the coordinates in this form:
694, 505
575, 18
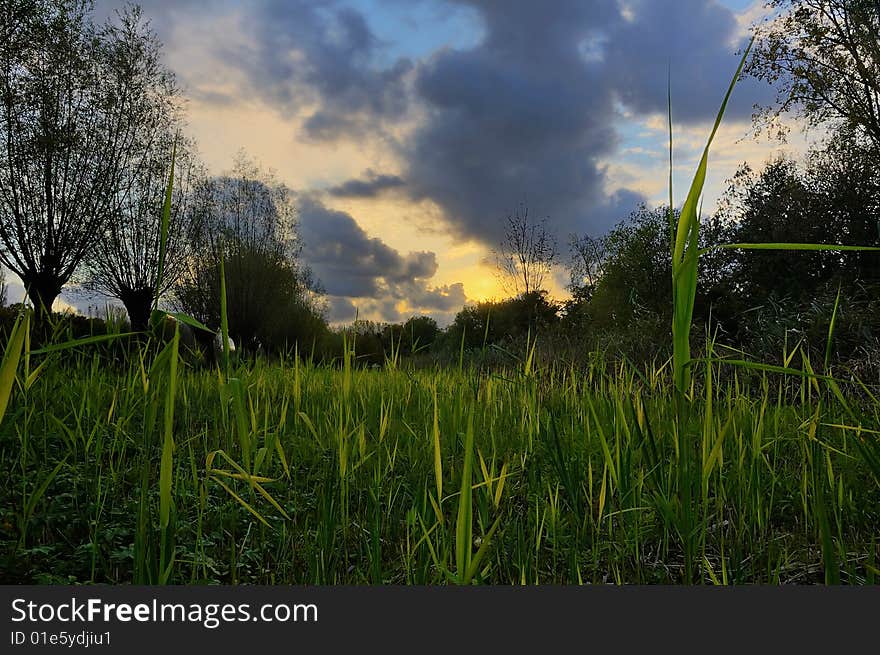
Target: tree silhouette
527, 253
124, 263
65, 130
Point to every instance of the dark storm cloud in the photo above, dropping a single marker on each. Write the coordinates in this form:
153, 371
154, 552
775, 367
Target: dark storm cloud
324, 50
693, 41
522, 117
368, 186
340, 310
350, 264
529, 114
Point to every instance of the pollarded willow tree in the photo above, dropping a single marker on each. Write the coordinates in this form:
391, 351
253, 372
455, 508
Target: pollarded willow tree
125, 262
66, 126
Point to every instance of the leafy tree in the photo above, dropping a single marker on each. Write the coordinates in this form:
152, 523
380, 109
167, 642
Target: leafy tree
636, 281
511, 319
834, 198
420, 332
248, 219
67, 124
823, 57
637, 269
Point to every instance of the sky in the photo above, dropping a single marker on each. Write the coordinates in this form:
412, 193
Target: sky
409, 129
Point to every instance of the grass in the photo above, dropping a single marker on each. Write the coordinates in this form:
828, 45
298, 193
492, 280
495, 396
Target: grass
433, 476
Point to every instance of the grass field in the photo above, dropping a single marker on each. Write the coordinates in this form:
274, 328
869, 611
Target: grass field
291, 473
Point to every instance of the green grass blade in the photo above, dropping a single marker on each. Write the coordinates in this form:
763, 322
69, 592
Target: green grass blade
831, 325
438, 460
11, 357
481, 551
812, 247
165, 474
464, 521
78, 343
769, 368
685, 255
241, 501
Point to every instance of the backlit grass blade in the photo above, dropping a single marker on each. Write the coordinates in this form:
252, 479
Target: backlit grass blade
33, 499
188, 320
769, 368
685, 255
464, 521
78, 343
254, 480
166, 472
11, 357
438, 460
669, 119
481, 551
815, 247
241, 501
831, 325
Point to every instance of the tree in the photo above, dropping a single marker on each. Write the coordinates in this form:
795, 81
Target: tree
780, 299
508, 320
823, 56
637, 269
420, 332
585, 265
248, 219
527, 253
125, 262
64, 133
636, 279
833, 198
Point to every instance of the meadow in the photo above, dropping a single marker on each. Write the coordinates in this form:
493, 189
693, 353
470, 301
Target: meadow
287, 472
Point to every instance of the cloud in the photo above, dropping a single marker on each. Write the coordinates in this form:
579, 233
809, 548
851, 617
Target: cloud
321, 55
696, 44
528, 114
341, 310
319, 58
531, 112
369, 186
522, 117
532, 107
351, 266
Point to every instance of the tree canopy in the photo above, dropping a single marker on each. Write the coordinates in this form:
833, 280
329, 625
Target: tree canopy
823, 58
